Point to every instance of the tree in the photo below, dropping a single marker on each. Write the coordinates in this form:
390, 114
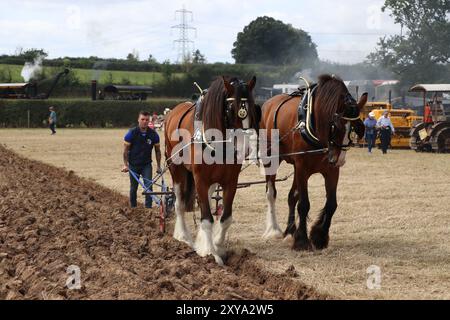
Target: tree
269, 41
422, 53
152, 60
133, 56
198, 57
31, 55
166, 70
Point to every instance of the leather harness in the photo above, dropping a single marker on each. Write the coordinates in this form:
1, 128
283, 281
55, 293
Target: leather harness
306, 120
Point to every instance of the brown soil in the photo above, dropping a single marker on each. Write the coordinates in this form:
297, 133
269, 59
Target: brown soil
51, 219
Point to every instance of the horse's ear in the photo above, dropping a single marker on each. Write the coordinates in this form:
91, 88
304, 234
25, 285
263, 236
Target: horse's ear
251, 84
228, 87
363, 100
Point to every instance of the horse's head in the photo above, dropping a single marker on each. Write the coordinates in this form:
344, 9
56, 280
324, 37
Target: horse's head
241, 112
338, 113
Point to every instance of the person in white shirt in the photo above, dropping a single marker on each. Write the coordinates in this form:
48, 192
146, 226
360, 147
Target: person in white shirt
386, 131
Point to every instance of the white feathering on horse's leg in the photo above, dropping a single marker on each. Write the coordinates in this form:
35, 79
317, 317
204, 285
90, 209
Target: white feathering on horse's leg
181, 233
220, 234
204, 244
273, 230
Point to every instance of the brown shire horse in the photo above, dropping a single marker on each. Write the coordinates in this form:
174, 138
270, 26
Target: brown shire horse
228, 104
331, 104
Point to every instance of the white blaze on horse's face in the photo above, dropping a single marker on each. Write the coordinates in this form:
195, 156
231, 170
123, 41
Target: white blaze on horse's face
343, 154
243, 114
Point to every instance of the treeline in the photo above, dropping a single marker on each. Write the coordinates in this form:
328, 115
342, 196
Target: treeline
176, 80
172, 84
266, 75
92, 62
78, 113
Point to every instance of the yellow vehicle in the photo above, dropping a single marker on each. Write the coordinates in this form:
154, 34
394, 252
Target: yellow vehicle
402, 119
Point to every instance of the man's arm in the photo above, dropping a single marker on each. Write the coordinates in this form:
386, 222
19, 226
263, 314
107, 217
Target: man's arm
126, 149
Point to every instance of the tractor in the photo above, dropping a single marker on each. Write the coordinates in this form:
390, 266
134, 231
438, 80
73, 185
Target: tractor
433, 133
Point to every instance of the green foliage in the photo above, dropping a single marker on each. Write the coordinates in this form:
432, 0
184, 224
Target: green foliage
269, 41
6, 75
31, 54
422, 53
198, 57
79, 113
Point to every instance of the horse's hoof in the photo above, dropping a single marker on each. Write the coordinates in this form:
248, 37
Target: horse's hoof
319, 238
302, 245
219, 260
289, 239
220, 250
273, 233
290, 231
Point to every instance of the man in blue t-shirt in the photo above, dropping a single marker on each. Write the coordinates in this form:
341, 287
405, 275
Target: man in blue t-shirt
137, 156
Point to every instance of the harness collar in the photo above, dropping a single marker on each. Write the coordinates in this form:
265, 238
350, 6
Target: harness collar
306, 123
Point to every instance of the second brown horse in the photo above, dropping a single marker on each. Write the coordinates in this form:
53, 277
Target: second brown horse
335, 113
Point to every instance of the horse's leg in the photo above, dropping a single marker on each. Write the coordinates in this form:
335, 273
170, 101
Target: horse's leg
301, 241
229, 191
181, 232
272, 228
293, 199
204, 245
320, 230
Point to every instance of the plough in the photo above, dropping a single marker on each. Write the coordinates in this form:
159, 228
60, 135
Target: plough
165, 198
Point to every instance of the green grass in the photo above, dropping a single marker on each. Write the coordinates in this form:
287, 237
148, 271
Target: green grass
86, 75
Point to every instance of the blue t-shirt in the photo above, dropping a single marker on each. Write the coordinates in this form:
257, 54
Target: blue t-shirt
141, 145
370, 125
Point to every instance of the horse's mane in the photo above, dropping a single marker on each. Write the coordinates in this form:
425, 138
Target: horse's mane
213, 113
328, 101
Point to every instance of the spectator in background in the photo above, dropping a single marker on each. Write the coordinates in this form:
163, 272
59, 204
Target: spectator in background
427, 116
371, 131
52, 120
386, 131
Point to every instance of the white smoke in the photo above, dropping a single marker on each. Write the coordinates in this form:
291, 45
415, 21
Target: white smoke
97, 70
32, 69
306, 74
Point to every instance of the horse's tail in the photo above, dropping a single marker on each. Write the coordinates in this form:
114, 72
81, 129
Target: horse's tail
188, 192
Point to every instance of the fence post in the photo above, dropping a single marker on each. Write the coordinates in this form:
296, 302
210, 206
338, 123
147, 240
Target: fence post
28, 118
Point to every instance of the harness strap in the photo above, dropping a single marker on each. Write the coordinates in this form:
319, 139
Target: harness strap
306, 117
275, 117
184, 115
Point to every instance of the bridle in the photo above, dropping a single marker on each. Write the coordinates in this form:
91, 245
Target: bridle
350, 114
243, 112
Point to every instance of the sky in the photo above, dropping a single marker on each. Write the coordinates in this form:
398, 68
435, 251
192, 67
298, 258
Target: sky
345, 31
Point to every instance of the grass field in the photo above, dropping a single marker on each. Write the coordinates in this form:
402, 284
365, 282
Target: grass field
103, 76
393, 213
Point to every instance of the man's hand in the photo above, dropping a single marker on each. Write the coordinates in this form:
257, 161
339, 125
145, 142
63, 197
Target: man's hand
125, 169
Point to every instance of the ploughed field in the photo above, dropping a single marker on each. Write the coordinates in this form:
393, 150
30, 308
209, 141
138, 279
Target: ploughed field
393, 214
